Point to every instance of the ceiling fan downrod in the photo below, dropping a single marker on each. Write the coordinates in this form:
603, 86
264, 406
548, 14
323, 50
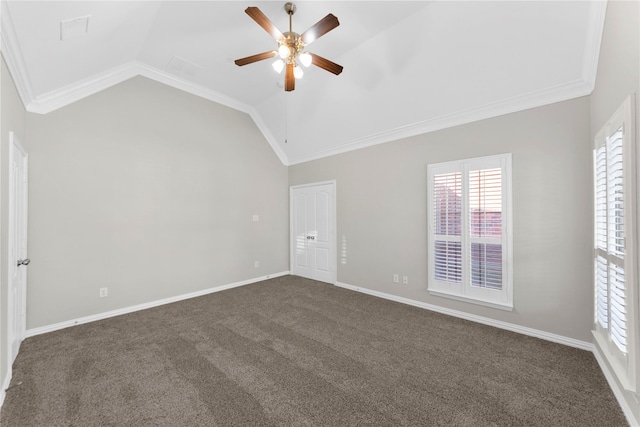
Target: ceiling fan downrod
290, 8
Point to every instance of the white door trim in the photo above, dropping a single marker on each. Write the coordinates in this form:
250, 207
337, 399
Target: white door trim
14, 144
333, 226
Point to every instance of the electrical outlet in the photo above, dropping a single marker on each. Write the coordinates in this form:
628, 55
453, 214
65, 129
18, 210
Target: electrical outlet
104, 292
396, 278
256, 218
405, 280
256, 264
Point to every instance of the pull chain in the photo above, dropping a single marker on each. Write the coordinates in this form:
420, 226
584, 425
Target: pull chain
286, 116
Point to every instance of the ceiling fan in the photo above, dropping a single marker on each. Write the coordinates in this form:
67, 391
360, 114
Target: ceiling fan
291, 46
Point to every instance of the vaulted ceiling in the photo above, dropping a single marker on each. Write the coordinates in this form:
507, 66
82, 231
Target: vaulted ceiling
409, 67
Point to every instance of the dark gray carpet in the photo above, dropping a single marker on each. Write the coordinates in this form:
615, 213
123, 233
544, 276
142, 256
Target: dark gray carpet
295, 352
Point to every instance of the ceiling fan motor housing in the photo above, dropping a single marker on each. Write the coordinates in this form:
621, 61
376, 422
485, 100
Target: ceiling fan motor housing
293, 41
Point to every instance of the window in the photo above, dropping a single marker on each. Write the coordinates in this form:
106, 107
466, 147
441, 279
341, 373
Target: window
614, 230
469, 217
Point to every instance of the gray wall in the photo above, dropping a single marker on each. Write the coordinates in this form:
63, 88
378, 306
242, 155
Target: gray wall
13, 119
381, 212
618, 73
148, 191
618, 77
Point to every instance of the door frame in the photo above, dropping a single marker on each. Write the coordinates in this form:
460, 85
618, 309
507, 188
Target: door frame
14, 144
333, 240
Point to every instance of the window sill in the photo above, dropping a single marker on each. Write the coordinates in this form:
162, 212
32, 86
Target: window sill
492, 304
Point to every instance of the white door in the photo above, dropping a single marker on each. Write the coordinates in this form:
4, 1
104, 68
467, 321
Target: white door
313, 232
17, 246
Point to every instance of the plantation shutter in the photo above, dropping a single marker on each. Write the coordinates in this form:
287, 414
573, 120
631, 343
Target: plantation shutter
616, 327
469, 226
485, 228
601, 266
610, 284
616, 239
447, 206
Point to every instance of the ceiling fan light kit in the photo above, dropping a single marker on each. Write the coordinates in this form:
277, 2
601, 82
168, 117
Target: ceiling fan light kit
291, 46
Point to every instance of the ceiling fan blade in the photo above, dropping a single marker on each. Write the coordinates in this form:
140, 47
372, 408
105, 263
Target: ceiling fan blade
255, 58
289, 78
262, 20
325, 64
320, 28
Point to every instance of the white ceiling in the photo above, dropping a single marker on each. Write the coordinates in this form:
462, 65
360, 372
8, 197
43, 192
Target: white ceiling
409, 67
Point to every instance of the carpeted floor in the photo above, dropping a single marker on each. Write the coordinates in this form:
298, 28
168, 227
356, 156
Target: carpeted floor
294, 352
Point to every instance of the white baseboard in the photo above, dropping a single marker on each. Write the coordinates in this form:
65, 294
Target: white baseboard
5, 386
616, 388
131, 309
583, 345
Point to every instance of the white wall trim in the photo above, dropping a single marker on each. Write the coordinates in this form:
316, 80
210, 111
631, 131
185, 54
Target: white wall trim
203, 92
144, 306
66, 95
268, 135
53, 100
5, 386
571, 342
13, 56
539, 98
192, 88
616, 388
594, 38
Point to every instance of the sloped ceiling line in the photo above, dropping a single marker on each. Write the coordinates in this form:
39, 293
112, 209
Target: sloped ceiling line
535, 99
13, 56
59, 98
592, 48
62, 97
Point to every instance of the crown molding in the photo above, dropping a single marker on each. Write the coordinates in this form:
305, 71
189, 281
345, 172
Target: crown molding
268, 135
51, 101
595, 30
203, 92
59, 98
192, 88
13, 57
564, 92
527, 101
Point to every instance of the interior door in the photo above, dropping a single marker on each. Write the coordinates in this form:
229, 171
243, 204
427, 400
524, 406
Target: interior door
313, 225
17, 246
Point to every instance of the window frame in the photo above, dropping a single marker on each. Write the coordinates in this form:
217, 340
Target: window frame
623, 364
463, 290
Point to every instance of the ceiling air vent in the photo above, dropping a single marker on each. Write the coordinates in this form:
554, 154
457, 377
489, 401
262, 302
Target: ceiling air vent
74, 27
182, 67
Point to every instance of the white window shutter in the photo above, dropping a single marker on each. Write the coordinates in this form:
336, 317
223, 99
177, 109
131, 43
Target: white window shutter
485, 228
616, 239
602, 292
615, 232
470, 230
615, 194
600, 161
618, 309
447, 214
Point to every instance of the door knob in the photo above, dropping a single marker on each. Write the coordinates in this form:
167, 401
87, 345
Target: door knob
25, 261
